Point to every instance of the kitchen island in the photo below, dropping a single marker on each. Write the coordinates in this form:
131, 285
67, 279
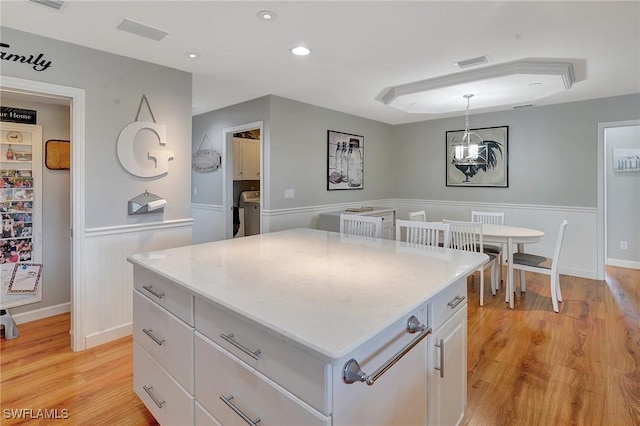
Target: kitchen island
263, 330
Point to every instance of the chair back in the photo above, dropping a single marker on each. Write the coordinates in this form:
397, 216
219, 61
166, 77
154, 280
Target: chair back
556, 251
488, 218
465, 235
429, 233
364, 226
420, 216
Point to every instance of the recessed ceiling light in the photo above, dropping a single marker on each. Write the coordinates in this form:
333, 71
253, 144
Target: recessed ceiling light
267, 15
192, 55
300, 51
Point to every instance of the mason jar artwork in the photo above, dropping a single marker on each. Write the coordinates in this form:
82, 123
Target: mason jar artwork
354, 164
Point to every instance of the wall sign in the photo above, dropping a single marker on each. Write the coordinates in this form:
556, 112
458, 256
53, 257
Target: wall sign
38, 63
17, 115
126, 153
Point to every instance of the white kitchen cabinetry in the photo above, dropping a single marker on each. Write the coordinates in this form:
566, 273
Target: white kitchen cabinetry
260, 348
448, 358
163, 348
330, 221
246, 159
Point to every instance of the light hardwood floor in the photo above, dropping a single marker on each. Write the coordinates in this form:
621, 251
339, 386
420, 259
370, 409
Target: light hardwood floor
529, 366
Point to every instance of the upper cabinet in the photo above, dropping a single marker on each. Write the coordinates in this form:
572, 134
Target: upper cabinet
246, 159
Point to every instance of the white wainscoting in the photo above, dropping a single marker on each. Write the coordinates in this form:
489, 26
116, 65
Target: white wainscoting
109, 277
579, 250
208, 223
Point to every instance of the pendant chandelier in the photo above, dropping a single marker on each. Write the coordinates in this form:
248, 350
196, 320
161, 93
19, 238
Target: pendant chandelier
471, 149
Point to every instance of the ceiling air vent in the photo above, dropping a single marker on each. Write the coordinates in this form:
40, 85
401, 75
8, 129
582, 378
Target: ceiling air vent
473, 61
142, 30
523, 106
56, 4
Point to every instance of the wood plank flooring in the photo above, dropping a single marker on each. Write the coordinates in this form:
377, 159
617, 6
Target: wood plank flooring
529, 366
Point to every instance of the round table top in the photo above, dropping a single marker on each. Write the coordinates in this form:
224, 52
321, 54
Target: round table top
505, 231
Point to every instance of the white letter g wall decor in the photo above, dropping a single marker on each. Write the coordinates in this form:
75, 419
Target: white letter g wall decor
126, 153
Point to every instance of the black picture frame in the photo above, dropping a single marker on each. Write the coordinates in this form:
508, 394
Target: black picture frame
342, 152
493, 172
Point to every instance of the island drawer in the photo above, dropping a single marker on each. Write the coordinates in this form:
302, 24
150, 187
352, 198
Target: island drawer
448, 302
167, 339
230, 389
204, 418
298, 372
163, 292
160, 393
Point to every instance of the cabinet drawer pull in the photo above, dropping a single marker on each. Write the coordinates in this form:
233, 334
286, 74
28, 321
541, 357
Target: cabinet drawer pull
149, 332
351, 372
150, 289
229, 338
239, 411
148, 389
455, 302
441, 346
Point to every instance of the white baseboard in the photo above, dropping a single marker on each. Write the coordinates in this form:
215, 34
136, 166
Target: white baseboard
105, 336
41, 313
623, 263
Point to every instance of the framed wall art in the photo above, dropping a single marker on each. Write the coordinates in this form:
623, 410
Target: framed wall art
345, 161
626, 160
483, 162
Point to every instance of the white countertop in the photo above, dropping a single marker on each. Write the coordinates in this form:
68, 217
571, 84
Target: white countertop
321, 291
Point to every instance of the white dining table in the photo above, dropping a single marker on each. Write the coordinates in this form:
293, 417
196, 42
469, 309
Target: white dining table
510, 235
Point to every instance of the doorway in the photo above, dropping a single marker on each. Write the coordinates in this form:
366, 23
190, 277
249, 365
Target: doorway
611, 238
75, 99
236, 181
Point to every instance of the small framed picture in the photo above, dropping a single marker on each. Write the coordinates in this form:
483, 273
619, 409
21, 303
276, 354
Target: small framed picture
345, 161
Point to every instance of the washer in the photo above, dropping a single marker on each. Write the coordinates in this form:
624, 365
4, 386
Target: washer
250, 201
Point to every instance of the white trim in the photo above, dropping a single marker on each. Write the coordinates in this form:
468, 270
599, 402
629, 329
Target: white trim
137, 227
395, 202
211, 207
109, 335
495, 205
78, 273
41, 313
227, 176
623, 263
601, 201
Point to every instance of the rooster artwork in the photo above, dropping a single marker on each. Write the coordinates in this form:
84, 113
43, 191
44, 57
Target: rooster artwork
478, 157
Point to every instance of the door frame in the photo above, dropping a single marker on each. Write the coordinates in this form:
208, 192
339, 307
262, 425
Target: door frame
227, 176
603, 162
76, 96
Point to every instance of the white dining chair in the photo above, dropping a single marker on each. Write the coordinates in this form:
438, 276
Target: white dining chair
543, 265
492, 218
429, 233
420, 216
468, 236
364, 226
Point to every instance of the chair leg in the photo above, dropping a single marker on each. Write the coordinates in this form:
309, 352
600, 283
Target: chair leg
558, 291
481, 286
554, 293
494, 275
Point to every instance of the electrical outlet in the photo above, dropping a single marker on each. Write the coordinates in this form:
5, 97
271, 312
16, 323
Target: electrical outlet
288, 193
623, 245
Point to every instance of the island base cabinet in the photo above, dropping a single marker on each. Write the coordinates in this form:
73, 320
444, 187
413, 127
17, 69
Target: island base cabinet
448, 371
160, 393
397, 397
204, 418
236, 394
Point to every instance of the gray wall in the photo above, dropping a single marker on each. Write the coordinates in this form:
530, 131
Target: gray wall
209, 184
56, 220
298, 155
552, 153
113, 88
623, 198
